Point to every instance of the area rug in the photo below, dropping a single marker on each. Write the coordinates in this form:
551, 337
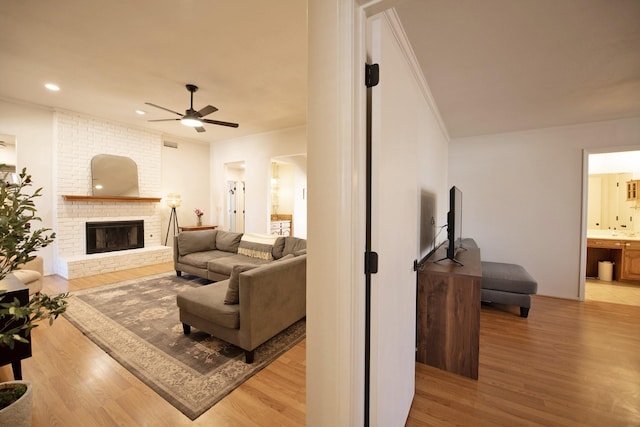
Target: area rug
136, 322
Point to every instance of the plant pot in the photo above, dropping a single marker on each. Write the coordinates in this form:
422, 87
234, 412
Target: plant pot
17, 414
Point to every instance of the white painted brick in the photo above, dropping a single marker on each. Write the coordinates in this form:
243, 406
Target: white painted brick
79, 138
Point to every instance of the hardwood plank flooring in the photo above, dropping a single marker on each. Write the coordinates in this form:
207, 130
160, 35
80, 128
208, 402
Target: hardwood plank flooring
568, 364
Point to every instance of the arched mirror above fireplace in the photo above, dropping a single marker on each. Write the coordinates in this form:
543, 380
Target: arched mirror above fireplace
114, 176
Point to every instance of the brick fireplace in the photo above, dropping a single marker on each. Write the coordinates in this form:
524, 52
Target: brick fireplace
78, 139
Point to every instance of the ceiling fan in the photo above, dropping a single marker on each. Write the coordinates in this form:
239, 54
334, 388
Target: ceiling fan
193, 118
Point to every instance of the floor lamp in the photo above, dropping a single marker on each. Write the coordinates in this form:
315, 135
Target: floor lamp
173, 201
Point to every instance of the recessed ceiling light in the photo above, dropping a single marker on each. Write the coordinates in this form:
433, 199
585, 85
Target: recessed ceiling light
52, 87
141, 112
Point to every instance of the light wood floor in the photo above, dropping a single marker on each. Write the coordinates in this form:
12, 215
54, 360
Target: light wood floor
568, 364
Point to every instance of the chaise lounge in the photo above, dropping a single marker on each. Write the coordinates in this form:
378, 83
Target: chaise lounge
505, 283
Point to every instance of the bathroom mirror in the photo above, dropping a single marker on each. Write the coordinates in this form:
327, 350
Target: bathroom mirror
608, 208
114, 176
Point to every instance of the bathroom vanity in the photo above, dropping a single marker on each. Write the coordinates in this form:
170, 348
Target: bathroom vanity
623, 250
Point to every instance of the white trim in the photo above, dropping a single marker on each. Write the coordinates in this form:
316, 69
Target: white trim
405, 47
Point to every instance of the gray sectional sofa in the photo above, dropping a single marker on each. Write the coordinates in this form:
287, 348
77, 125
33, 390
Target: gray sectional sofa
260, 286
211, 254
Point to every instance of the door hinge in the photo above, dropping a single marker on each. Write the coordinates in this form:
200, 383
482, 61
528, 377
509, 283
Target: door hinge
371, 75
370, 262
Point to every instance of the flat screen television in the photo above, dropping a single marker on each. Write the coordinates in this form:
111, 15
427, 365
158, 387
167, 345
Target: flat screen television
454, 224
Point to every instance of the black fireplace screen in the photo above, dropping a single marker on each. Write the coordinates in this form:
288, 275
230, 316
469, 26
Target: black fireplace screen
108, 236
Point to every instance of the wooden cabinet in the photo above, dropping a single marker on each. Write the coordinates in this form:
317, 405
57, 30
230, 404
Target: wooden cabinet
625, 255
631, 261
448, 313
198, 227
632, 190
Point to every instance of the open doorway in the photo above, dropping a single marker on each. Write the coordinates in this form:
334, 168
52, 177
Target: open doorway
612, 265
288, 196
235, 205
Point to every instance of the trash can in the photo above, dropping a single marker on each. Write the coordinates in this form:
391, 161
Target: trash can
605, 270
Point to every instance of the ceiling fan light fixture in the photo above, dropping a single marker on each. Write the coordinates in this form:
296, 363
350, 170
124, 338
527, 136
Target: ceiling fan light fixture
191, 122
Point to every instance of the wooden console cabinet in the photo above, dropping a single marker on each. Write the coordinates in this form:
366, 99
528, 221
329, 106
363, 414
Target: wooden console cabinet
448, 313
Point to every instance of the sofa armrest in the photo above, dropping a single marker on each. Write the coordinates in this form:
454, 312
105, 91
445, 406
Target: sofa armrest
272, 298
36, 264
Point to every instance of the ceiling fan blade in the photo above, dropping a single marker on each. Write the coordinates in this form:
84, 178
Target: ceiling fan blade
163, 120
207, 110
217, 122
201, 129
162, 108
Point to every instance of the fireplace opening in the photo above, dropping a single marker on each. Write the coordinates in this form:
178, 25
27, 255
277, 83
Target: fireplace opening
109, 236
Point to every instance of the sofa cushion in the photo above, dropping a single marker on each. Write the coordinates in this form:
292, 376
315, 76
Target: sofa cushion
196, 241
201, 259
224, 265
505, 277
233, 290
257, 245
207, 302
293, 244
228, 241
286, 257
278, 247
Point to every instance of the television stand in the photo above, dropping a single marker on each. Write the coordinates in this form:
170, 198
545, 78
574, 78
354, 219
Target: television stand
448, 313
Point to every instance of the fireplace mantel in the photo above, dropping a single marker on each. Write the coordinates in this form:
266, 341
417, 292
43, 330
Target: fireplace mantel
71, 198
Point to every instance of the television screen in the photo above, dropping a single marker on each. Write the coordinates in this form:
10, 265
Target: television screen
454, 222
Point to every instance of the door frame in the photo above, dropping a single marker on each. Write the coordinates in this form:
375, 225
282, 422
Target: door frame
586, 152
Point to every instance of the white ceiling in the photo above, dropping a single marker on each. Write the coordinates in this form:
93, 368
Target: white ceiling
506, 65
110, 57
492, 65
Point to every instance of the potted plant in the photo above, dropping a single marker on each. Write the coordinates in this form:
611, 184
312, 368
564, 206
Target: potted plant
16, 398
17, 242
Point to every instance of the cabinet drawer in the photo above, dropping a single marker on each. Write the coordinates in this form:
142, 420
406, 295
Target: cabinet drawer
604, 243
632, 244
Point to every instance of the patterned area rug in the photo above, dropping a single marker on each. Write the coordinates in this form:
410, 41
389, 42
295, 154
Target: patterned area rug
136, 322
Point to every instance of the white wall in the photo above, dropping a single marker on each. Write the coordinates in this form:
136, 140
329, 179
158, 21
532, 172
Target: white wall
33, 128
185, 170
523, 196
256, 151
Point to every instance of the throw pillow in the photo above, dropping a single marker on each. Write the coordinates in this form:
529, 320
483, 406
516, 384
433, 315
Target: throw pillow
278, 247
228, 241
293, 244
257, 245
196, 241
233, 291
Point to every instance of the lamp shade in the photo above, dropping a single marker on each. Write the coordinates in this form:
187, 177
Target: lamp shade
173, 200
